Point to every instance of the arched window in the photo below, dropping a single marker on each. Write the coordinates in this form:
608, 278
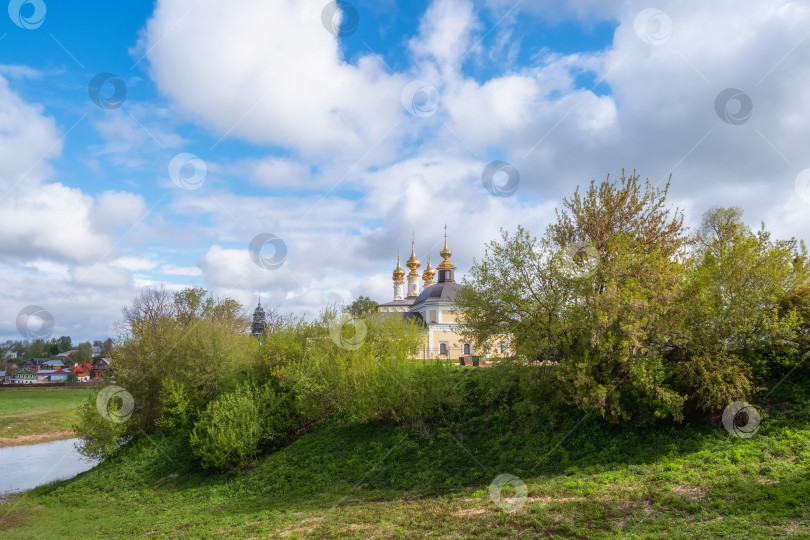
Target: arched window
467, 348
443, 347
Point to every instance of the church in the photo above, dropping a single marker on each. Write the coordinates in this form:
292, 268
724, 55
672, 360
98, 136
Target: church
434, 308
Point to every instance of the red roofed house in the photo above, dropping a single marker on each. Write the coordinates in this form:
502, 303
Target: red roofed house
82, 371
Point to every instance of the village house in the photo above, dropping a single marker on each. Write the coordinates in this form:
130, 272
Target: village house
82, 371
100, 366
44, 375
60, 375
22, 375
52, 364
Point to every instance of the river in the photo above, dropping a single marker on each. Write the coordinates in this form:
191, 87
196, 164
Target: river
29, 466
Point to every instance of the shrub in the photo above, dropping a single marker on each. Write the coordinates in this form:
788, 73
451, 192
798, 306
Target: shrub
99, 437
715, 380
228, 431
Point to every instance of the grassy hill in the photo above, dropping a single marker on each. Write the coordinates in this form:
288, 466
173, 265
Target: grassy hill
585, 479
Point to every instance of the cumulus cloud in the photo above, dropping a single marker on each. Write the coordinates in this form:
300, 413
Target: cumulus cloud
269, 72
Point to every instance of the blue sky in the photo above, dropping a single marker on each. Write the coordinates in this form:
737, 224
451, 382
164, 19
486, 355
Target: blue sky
320, 140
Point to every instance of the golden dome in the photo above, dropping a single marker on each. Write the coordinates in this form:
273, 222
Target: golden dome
413, 263
446, 253
428, 274
399, 273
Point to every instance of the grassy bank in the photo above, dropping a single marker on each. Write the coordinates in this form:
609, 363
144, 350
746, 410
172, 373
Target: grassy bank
585, 480
31, 415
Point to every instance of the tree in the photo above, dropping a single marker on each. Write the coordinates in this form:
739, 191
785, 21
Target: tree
745, 291
517, 289
190, 338
63, 344
362, 307
798, 301
83, 354
629, 312
37, 349
599, 293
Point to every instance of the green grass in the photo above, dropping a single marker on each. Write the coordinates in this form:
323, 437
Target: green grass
38, 411
343, 480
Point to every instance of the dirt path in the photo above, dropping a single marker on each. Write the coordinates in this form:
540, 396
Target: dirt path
19, 440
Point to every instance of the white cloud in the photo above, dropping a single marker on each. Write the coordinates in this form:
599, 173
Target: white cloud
135, 264
172, 270
269, 72
102, 276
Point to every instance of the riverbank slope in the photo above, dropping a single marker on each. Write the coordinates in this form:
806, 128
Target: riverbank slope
584, 479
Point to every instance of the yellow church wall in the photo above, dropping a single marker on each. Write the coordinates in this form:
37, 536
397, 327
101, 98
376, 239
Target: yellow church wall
449, 316
456, 342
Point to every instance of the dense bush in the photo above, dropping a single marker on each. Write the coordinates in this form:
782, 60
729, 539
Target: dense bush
191, 368
228, 432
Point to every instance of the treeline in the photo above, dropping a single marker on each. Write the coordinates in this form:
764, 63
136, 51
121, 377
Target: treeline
639, 318
190, 365
41, 348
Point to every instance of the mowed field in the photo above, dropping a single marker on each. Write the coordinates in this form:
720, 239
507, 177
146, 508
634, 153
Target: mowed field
32, 415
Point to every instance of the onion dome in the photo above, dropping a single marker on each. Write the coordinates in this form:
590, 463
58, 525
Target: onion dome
399, 273
413, 263
446, 253
428, 274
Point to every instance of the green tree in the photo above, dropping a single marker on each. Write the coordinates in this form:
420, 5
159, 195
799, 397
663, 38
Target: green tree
106, 347
83, 354
362, 307
798, 301
518, 289
628, 310
37, 349
739, 292
63, 344
598, 293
